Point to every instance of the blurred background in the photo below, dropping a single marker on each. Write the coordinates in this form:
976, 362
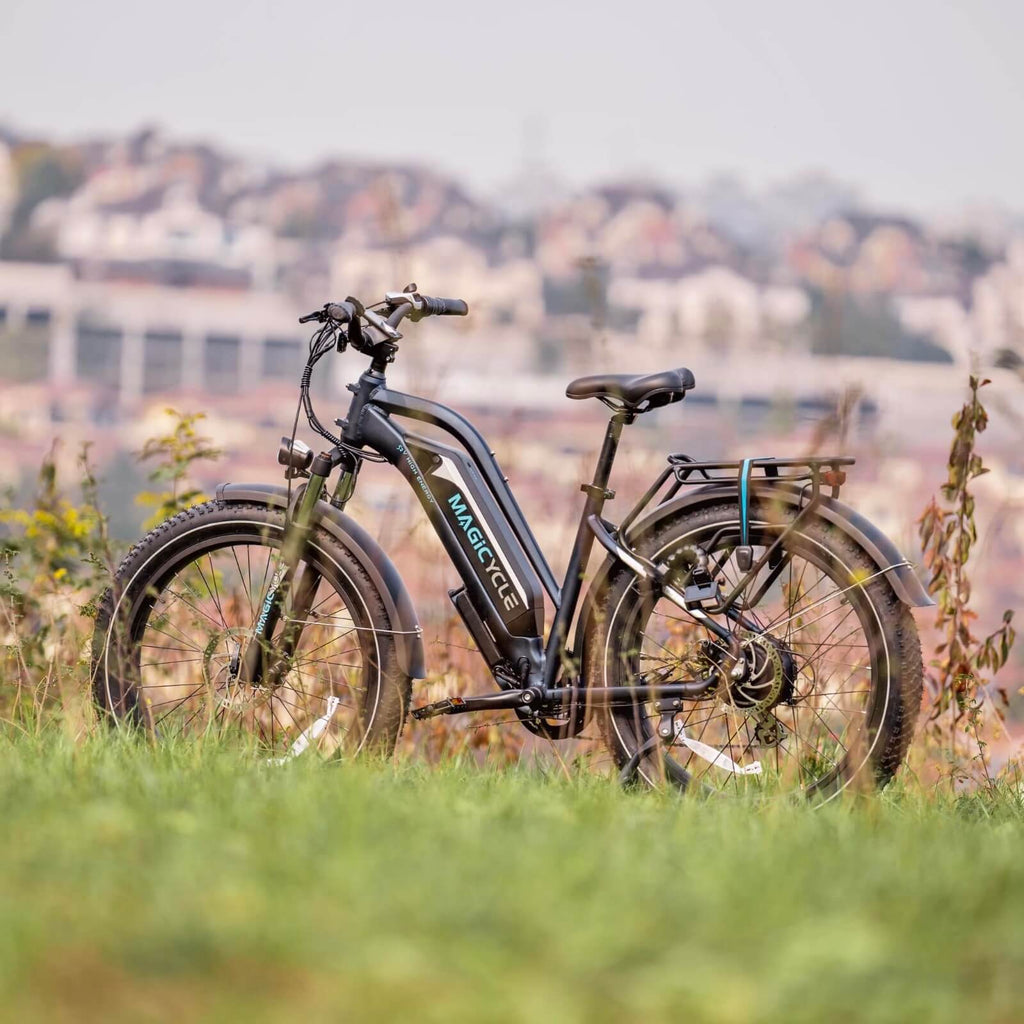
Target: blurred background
818, 208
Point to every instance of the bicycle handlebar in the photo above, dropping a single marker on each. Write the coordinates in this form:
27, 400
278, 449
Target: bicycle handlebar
378, 341
411, 303
341, 312
444, 307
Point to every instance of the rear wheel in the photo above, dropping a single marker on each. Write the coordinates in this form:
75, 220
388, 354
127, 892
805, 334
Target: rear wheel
176, 629
819, 684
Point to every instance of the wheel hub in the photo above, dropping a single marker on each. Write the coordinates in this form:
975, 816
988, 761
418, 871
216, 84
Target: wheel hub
764, 677
222, 663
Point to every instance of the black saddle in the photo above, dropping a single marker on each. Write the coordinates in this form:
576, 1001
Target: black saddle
636, 393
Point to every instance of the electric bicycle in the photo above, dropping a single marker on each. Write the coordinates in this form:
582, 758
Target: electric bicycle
744, 630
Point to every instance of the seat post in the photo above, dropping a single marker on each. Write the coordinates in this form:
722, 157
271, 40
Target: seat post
606, 457
597, 494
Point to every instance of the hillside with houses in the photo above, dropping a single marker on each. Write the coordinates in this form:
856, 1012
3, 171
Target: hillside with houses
147, 264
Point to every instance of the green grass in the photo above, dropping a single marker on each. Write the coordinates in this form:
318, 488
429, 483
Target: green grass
173, 885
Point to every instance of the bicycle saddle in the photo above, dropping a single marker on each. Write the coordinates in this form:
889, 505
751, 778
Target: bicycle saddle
654, 389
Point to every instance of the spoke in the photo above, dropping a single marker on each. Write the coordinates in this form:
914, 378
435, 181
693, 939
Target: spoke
199, 611
323, 600
670, 653
333, 640
188, 721
823, 615
834, 693
710, 637
812, 746
187, 696
794, 595
306, 710
842, 711
813, 654
161, 686
176, 701
828, 728
214, 593
812, 643
248, 565
727, 746
241, 576
745, 751
169, 661
183, 638
327, 661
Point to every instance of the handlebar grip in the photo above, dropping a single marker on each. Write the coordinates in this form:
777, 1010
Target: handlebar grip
444, 307
342, 312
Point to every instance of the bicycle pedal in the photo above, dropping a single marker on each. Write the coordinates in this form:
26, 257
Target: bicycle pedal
448, 706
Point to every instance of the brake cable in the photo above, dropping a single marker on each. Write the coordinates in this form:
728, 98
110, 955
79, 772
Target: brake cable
322, 342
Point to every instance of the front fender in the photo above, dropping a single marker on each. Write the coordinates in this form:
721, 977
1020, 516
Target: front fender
367, 552
875, 544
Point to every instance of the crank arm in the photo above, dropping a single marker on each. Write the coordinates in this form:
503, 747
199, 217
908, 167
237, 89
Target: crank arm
481, 702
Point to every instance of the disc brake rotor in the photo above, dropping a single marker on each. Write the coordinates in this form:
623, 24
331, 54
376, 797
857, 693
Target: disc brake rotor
222, 661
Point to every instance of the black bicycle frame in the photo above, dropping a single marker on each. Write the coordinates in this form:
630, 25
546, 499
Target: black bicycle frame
468, 501
504, 573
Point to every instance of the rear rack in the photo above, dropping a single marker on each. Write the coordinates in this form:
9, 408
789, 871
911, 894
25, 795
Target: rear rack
824, 469
813, 472
700, 590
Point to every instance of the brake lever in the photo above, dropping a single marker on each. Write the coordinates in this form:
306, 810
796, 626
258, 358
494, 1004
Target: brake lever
375, 320
410, 296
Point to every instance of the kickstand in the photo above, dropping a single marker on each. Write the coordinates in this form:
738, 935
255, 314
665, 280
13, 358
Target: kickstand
628, 773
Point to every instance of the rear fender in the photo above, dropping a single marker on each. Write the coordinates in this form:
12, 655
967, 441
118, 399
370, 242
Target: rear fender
367, 552
879, 548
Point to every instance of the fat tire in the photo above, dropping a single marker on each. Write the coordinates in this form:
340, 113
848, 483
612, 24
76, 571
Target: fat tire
147, 560
898, 718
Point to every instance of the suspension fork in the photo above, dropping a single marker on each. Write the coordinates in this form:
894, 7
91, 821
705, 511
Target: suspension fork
262, 656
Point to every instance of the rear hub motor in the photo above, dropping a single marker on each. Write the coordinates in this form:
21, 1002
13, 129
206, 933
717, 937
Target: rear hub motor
762, 677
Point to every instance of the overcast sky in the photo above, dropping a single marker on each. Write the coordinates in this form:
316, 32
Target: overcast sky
919, 102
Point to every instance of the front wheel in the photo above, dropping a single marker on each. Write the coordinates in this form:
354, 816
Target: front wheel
176, 630
818, 683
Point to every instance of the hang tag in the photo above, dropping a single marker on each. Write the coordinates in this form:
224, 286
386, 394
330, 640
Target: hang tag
309, 734
716, 757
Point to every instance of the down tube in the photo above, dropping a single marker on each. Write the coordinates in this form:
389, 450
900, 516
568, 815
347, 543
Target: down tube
458, 427
468, 525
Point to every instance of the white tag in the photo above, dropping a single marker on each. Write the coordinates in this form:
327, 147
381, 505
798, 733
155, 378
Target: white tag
309, 734
716, 757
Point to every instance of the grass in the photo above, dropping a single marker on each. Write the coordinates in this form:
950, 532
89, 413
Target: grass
140, 884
